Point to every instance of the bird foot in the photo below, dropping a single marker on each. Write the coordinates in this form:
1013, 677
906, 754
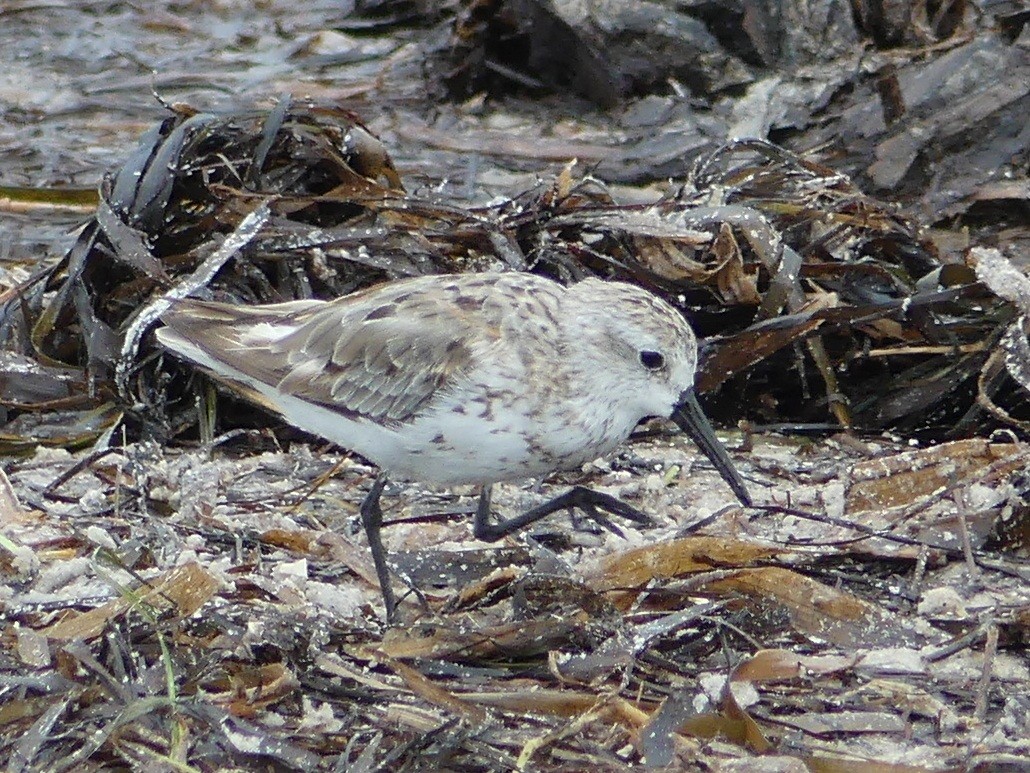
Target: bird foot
593, 503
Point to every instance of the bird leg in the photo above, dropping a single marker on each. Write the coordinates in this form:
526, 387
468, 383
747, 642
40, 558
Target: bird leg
589, 501
372, 520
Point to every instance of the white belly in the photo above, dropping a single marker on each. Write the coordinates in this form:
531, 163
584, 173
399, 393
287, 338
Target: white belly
468, 443
477, 435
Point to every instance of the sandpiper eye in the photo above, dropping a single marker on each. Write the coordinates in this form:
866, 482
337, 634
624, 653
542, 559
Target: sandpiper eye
652, 360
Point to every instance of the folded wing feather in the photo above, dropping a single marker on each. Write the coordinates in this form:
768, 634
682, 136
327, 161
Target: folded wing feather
386, 368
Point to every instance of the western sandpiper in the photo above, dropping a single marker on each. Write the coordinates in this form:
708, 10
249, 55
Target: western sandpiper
462, 379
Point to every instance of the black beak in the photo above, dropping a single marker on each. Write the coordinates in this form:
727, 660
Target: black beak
691, 419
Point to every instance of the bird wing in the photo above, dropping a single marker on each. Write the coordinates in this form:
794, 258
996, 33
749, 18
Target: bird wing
382, 354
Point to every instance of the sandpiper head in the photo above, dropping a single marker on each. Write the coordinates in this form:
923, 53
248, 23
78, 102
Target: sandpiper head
654, 354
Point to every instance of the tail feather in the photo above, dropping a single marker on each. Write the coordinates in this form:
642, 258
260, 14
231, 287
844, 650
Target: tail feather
233, 344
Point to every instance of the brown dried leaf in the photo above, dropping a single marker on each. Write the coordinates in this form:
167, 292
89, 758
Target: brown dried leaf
736, 286
250, 689
437, 695
296, 540
669, 260
784, 665
712, 725
184, 590
665, 560
561, 703
479, 589
903, 479
678, 715
819, 611
750, 733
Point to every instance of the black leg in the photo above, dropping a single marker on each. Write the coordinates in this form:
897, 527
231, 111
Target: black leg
481, 526
589, 501
372, 520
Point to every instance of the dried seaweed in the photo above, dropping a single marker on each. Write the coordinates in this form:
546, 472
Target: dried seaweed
791, 265
229, 633
221, 602
826, 305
